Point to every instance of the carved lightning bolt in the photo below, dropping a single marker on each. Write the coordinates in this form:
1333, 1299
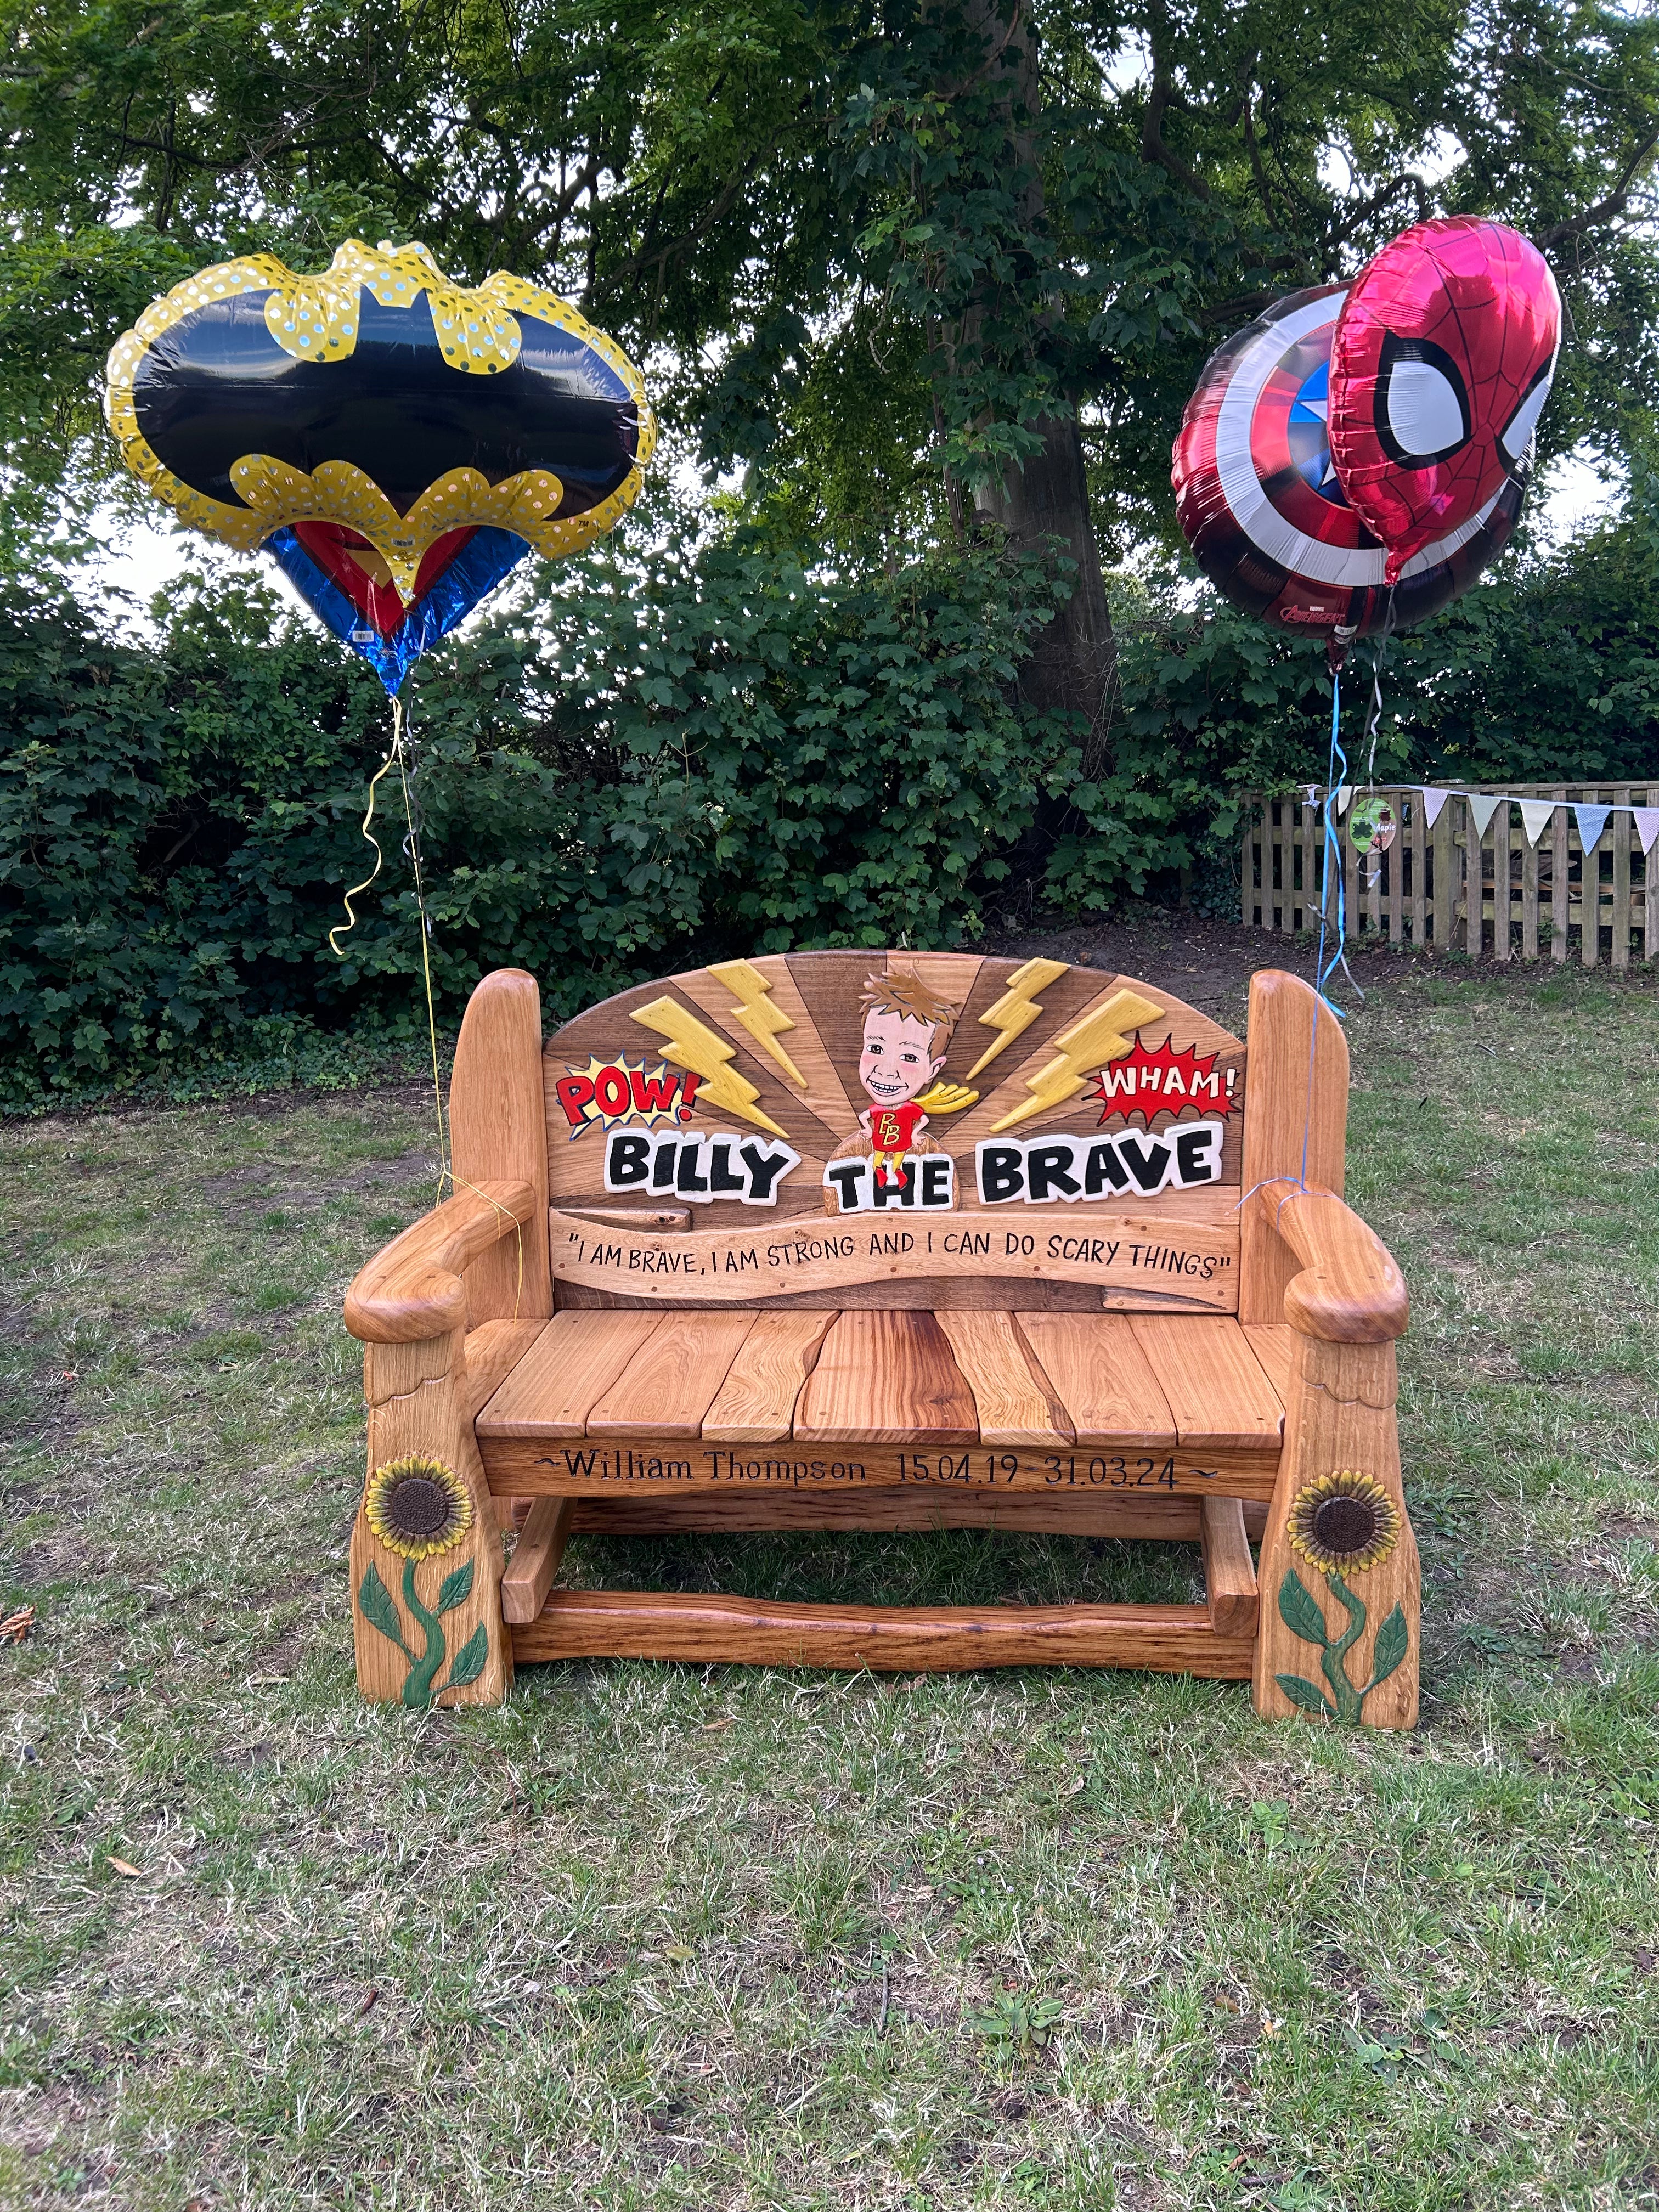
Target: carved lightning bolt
1016, 1009
1081, 1049
690, 1043
754, 1010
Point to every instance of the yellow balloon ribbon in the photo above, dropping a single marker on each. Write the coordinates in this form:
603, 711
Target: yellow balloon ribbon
393, 752
397, 755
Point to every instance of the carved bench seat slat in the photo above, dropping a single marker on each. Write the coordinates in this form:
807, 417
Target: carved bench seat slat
1218, 1393
886, 1378
673, 1379
757, 1401
568, 1370
1103, 1379
1275, 1346
493, 1351
1017, 1403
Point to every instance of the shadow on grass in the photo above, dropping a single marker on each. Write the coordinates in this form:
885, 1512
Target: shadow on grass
949, 1566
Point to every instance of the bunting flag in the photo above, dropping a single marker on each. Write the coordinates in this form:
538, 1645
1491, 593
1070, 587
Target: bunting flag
1592, 821
1536, 814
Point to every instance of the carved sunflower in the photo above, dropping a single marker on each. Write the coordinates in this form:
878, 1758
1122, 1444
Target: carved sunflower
418, 1506
1344, 1523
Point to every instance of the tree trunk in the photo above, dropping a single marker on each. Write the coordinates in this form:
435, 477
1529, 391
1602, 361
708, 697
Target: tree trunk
1047, 498
1072, 668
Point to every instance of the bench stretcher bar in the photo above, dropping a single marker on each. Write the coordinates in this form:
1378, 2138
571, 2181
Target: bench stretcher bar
650, 1625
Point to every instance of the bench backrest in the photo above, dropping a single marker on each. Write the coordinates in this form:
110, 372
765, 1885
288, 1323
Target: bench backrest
737, 1134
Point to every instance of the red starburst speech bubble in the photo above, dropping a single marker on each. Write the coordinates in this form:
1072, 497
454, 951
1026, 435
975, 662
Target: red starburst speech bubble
1145, 1082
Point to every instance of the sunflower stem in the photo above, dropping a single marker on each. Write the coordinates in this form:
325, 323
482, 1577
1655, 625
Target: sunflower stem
1335, 1658
418, 1688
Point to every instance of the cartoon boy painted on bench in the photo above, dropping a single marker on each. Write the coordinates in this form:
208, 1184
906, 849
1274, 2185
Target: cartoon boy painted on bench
906, 1033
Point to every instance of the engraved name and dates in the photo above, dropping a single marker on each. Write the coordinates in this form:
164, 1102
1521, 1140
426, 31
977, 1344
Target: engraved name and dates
1067, 1470
581, 1466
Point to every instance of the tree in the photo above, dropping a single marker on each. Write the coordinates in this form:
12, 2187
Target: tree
913, 261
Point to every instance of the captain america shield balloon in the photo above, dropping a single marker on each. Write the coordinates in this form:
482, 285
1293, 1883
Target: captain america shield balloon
1263, 507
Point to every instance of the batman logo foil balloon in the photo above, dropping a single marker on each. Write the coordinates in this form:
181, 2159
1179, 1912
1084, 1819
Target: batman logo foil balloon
397, 441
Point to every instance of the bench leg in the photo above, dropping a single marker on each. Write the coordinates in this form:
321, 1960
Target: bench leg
426, 1549
1339, 1575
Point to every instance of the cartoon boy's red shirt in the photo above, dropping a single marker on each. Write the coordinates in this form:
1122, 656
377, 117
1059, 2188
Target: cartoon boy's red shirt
893, 1128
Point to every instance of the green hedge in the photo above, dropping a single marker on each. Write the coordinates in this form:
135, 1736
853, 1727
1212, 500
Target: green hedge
782, 761
686, 755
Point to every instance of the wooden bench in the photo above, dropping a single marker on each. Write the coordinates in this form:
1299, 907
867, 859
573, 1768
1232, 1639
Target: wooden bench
913, 1241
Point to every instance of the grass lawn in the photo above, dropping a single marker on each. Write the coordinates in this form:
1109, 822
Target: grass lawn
674, 1936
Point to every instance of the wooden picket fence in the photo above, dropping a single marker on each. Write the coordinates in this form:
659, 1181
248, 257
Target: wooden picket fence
1496, 895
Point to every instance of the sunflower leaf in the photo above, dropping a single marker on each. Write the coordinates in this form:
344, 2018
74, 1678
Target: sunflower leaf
1301, 1612
456, 1588
1305, 1694
374, 1604
469, 1659
1393, 1641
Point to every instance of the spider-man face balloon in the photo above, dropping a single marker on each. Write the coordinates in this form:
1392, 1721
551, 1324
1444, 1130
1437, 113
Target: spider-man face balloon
1440, 368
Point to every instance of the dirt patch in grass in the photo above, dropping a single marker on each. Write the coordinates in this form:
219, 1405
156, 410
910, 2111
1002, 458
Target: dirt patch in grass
1209, 962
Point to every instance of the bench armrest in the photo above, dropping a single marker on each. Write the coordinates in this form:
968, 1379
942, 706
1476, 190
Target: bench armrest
413, 1289
1350, 1291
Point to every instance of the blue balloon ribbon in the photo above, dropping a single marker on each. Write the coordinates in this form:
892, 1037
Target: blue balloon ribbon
488, 556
